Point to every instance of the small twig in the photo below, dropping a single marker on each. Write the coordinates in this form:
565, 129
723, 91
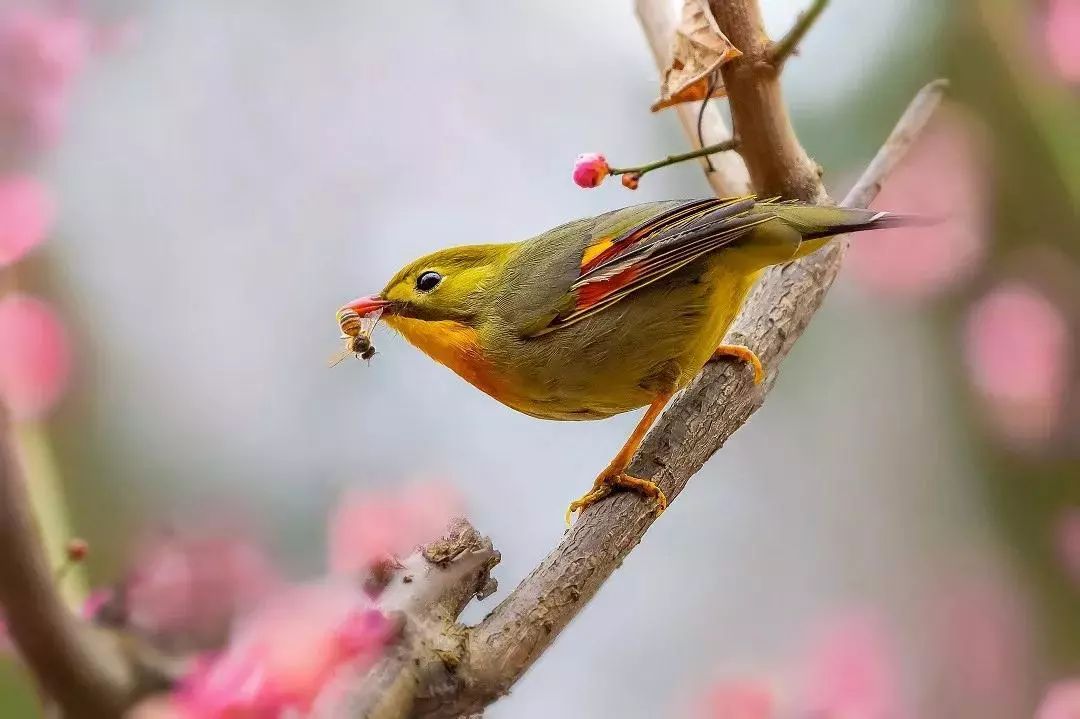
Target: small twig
709, 88
725, 146
729, 176
84, 676
908, 127
788, 45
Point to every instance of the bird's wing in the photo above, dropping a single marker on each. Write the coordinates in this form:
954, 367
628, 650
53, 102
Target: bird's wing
615, 264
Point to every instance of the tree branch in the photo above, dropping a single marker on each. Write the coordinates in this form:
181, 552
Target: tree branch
783, 49
778, 164
79, 670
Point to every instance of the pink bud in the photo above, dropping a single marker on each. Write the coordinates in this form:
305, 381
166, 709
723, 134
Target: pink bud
34, 356
26, 213
590, 169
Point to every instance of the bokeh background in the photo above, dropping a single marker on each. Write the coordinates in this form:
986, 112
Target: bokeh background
189, 191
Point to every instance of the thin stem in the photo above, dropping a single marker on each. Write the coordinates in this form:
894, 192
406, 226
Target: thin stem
724, 146
787, 45
701, 117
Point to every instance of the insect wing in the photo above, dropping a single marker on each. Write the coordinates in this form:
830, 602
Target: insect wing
368, 321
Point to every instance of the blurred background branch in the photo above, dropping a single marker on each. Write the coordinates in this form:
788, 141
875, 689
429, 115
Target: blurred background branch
75, 668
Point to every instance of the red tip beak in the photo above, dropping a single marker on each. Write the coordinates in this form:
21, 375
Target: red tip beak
364, 305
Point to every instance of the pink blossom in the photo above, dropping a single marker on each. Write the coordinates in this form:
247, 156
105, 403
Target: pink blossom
1016, 345
943, 178
367, 528
850, 673
1068, 543
190, 588
1061, 702
590, 169
982, 636
738, 699
34, 356
95, 602
1061, 33
283, 655
26, 214
41, 53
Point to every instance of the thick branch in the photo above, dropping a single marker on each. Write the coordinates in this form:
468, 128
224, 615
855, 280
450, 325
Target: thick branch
74, 667
427, 593
778, 164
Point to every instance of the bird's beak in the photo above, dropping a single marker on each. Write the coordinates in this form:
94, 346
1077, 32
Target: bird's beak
364, 305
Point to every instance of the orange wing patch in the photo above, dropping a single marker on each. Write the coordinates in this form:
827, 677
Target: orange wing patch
608, 248
598, 247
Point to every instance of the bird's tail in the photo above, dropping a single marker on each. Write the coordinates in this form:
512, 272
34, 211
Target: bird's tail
815, 222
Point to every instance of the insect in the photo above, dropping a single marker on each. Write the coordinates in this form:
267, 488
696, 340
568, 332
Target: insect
356, 331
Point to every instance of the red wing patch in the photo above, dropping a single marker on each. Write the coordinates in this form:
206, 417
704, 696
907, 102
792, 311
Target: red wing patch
593, 292
614, 247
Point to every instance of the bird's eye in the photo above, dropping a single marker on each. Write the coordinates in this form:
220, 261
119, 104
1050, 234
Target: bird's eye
428, 281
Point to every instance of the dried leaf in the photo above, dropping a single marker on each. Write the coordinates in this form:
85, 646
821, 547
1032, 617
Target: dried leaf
697, 50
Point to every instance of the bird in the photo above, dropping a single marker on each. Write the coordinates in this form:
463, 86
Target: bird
606, 314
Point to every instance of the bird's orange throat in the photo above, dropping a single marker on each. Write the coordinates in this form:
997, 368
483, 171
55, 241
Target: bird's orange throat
453, 345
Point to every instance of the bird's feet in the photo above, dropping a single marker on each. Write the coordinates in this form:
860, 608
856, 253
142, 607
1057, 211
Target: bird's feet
745, 354
607, 482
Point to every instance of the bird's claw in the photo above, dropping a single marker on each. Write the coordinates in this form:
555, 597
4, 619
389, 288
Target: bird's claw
607, 483
742, 353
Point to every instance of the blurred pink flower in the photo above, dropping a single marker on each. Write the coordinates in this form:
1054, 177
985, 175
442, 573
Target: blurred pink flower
1061, 32
942, 178
590, 169
191, 588
1068, 543
283, 655
94, 603
850, 673
1016, 348
983, 638
1061, 702
367, 528
738, 699
41, 53
34, 356
26, 214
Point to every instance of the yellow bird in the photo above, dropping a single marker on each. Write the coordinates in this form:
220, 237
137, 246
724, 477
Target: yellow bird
606, 314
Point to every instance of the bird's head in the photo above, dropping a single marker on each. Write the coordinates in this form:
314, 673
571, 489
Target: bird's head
446, 286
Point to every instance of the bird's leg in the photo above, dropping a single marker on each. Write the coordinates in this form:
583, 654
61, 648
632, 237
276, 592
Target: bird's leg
745, 354
615, 473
